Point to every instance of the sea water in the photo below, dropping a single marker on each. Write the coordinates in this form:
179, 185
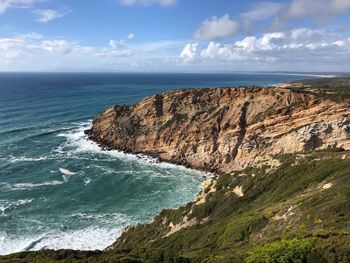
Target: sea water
60, 190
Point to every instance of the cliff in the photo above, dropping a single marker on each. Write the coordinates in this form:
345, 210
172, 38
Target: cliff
224, 129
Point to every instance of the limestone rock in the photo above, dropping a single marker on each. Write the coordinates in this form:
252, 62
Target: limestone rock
224, 129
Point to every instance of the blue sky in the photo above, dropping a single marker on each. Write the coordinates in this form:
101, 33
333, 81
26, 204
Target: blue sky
174, 35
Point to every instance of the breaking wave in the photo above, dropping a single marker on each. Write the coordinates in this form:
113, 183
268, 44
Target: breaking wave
77, 142
81, 239
8, 205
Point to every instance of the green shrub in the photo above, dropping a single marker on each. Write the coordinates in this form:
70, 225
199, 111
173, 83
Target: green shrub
284, 251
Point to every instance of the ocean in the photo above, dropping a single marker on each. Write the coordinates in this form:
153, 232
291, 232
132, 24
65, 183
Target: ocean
59, 190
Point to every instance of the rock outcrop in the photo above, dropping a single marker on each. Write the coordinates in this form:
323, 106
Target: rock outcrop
224, 129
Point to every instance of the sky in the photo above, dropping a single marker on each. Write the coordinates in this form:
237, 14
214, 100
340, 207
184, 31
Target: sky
174, 35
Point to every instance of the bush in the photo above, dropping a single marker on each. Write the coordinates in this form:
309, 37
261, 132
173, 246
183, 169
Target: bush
284, 251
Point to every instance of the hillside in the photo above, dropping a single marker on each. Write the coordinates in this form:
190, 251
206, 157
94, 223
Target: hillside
282, 156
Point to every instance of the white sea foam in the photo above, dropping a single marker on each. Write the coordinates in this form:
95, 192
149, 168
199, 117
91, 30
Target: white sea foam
82, 239
13, 159
6, 205
77, 142
66, 174
28, 186
87, 180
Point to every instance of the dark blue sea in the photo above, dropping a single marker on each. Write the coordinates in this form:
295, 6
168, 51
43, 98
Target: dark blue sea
59, 190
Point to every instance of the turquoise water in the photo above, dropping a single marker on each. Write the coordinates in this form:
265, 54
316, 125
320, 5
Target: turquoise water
59, 190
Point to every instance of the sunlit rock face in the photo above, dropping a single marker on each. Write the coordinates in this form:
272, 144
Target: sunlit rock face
224, 129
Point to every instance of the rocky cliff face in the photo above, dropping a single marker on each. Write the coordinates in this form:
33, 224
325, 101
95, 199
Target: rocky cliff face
224, 129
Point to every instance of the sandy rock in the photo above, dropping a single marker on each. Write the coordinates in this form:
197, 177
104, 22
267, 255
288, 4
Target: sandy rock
224, 129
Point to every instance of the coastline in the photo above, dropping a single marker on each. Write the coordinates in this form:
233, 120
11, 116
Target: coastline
244, 206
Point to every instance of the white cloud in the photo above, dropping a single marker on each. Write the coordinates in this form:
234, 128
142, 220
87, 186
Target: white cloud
217, 50
44, 16
7, 4
33, 44
57, 46
299, 45
33, 51
148, 2
302, 8
262, 11
118, 44
216, 28
189, 52
115, 44
276, 16
319, 12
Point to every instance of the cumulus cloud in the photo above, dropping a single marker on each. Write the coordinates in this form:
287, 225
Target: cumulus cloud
57, 46
44, 16
7, 4
301, 45
36, 52
36, 45
115, 44
189, 52
216, 28
148, 2
120, 43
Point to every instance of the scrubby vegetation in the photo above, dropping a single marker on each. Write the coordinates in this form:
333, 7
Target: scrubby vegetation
337, 89
284, 251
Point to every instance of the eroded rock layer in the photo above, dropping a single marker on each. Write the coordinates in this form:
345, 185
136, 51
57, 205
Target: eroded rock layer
224, 129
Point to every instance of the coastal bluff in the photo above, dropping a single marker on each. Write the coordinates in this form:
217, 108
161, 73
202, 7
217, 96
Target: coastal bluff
224, 129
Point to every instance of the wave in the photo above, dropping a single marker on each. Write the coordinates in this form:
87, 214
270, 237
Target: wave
48, 132
29, 186
87, 180
80, 239
66, 174
8, 205
84, 239
77, 143
14, 159
16, 130
40, 131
